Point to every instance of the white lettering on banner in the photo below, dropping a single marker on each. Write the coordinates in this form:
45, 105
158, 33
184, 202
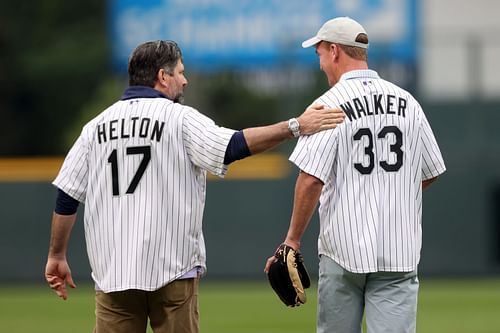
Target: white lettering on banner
238, 32
211, 31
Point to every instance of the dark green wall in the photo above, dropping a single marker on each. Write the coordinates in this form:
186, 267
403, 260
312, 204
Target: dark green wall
25, 215
246, 220
461, 217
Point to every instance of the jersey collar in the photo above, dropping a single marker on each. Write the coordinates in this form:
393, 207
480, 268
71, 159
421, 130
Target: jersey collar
141, 92
360, 74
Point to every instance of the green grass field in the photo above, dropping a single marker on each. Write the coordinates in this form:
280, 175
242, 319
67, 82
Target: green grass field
454, 306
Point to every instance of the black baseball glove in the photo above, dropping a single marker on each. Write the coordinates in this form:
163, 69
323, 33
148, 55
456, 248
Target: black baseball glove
288, 276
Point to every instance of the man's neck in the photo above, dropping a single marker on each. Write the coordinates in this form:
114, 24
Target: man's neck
352, 65
355, 65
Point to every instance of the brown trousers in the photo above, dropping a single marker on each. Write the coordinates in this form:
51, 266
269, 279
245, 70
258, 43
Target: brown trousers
170, 309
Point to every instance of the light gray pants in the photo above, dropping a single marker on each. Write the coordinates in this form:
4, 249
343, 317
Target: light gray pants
388, 299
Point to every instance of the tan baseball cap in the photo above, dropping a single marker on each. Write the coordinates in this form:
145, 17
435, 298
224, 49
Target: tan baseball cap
341, 30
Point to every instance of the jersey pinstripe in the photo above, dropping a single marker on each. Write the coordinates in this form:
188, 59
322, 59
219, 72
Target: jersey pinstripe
140, 168
372, 166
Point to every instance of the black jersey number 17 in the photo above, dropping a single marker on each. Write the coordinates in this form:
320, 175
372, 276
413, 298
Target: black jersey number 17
113, 160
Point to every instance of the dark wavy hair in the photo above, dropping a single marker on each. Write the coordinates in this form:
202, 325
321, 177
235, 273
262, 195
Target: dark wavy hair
148, 58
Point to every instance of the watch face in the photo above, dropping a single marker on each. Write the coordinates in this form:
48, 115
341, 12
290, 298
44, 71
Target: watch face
294, 126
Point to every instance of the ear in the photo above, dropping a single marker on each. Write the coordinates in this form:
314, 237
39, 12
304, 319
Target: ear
337, 52
161, 77
334, 49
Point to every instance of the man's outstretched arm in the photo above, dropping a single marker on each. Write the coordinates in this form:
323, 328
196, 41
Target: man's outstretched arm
314, 119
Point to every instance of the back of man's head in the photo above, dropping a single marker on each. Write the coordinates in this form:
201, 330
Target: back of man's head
148, 58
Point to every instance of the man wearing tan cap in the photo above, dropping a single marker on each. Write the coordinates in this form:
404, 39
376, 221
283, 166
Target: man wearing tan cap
367, 175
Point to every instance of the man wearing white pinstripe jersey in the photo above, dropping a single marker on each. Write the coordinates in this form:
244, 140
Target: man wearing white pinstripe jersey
140, 168
368, 175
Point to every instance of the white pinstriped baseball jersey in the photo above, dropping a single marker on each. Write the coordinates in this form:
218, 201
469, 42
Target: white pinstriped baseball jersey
372, 167
139, 167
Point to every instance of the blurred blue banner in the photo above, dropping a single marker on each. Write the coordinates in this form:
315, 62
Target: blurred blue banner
257, 33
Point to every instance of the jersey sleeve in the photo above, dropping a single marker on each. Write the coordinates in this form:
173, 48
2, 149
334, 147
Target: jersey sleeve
315, 154
432, 160
73, 176
205, 142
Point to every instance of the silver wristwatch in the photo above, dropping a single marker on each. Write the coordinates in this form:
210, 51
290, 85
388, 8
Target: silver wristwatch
294, 127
